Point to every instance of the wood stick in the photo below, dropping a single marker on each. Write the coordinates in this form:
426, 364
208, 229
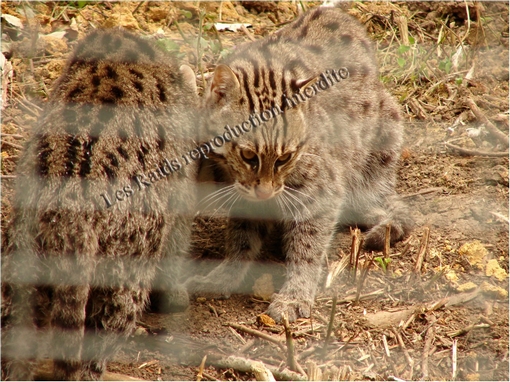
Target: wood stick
17, 136
429, 337
477, 152
423, 250
13, 145
291, 360
493, 130
369, 260
257, 333
247, 366
247, 33
330, 325
200, 373
386, 249
400, 341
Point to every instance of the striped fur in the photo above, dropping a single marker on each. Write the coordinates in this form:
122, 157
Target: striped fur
76, 268
330, 159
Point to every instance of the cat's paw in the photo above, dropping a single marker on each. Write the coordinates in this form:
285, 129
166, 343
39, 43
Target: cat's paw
374, 239
294, 309
175, 300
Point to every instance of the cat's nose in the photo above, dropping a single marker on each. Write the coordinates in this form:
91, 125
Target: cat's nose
263, 191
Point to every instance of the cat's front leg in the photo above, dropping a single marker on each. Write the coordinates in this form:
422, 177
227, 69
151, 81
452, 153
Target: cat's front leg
305, 244
244, 240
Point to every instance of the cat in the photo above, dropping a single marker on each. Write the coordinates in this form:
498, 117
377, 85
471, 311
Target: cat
304, 163
102, 211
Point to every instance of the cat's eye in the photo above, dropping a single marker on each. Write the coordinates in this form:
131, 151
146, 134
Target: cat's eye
283, 159
249, 157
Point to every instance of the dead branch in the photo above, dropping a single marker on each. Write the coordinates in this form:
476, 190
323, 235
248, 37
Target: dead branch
330, 325
493, 130
476, 152
386, 249
247, 33
257, 333
200, 373
369, 260
246, 365
13, 145
400, 341
291, 358
467, 329
429, 337
423, 250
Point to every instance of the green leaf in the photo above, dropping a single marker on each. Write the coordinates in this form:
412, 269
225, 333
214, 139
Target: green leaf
458, 80
168, 45
208, 26
81, 3
186, 13
401, 62
403, 48
411, 40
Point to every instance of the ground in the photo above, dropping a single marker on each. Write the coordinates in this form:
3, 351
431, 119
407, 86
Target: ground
444, 317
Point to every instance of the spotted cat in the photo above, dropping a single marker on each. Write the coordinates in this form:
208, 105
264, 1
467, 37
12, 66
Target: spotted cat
326, 154
99, 215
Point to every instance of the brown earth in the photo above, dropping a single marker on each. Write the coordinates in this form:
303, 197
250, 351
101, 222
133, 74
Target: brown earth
409, 324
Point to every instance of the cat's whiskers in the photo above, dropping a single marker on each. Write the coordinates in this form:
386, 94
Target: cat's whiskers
232, 195
216, 195
283, 203
299, 201
296, 212
302, 193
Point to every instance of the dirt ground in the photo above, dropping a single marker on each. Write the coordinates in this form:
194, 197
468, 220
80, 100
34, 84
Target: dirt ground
445, 319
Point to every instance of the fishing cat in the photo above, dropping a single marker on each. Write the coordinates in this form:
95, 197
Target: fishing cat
309, 139
102, 211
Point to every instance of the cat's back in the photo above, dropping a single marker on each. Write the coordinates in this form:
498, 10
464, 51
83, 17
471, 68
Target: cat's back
120, 108
324, 37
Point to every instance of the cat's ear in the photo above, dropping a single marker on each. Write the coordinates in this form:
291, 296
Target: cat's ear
224, 85
189, 77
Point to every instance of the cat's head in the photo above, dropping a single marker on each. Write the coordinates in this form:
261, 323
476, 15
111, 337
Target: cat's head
264, 139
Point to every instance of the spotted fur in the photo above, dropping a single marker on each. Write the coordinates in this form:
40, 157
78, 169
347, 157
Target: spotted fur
329, 157
87, 241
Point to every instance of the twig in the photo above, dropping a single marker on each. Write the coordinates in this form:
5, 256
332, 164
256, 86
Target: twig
209, 377
8, 176
385, 344
291, 359
201, 15
386, 249
369, 260
355, 250
238, 336
18, 136
247, 33
138, 6
257, 333
200, 373
500, 216
213, 310
454, 360
330, 325
493, 130
249, 366
477, 152
429, 337
467, 329
13, 145
410, 361
423, 250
